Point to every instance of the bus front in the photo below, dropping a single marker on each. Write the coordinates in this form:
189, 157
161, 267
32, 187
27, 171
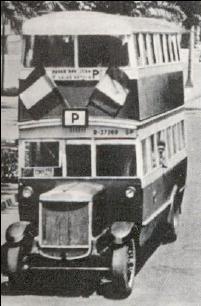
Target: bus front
79, 193
77, 185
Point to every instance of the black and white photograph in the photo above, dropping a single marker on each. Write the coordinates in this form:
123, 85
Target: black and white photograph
101, 153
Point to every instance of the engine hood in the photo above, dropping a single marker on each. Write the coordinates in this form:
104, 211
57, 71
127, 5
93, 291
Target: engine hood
72, 192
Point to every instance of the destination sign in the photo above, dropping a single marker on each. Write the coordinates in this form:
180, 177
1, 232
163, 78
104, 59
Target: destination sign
77, 74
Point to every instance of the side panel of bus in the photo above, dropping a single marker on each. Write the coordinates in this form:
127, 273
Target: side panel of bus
156, 198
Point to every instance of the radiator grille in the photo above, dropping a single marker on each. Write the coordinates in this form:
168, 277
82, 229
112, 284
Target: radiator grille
65, 224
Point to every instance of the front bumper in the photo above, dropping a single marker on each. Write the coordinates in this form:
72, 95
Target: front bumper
91, 263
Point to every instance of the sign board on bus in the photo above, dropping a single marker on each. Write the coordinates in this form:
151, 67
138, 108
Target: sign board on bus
77, 74
75, 117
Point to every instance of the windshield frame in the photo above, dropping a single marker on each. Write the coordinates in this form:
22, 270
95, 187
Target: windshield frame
93, 143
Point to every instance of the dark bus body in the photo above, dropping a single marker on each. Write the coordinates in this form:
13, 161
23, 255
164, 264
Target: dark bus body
90, 195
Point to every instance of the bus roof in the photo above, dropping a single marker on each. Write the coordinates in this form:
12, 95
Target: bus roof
94, 23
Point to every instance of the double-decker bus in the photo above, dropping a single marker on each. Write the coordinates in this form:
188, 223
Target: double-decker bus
95, 180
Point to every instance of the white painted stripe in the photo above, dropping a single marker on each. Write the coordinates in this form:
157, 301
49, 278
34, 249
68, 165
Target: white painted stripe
113, 89
103, 121
36, 92
156, 213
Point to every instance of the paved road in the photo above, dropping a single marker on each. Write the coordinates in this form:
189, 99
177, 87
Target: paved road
171, 276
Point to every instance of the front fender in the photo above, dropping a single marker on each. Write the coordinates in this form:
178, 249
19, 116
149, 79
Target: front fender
121, 231
15, 233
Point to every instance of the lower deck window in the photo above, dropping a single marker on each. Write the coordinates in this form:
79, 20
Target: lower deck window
144, 156
41, 154
115, 160
78, 160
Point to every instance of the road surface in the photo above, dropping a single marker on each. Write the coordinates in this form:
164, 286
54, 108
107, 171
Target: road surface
170, 275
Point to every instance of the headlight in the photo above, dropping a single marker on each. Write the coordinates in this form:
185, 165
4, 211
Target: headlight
130, 192
27, 192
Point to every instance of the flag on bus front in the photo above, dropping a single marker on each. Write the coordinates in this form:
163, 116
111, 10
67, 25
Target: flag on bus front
111, 92
39, 94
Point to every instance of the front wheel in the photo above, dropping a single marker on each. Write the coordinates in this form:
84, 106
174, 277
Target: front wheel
123, 268
172, 229
14, 265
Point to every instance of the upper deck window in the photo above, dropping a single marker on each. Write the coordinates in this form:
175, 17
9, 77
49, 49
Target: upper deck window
115, 160
63, 51
50, 51
102, 51
162, 48
155, 48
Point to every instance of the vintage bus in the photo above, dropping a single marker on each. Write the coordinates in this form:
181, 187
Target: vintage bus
94, 186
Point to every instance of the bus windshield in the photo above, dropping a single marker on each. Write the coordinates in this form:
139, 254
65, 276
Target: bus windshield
41, 154
115, 160
111, 160
70, 51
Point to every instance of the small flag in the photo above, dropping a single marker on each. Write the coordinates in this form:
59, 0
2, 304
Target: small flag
39, 94
111, 92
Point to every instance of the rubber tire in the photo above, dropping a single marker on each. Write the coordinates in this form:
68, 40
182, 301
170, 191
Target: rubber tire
13, 267
123, 284
172, 230
13, 259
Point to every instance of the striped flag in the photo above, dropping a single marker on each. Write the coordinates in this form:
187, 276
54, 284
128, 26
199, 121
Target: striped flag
111, 92
39, 94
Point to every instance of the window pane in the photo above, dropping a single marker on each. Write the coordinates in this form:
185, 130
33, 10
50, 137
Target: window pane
162, 48
178, 47
174, 134
179, 135
173, 48
153, 152
103, 51
159, 138
78, 160
182, 134
145, 49
50, 51
144, 156
168, 48
41, 154
153, 49
137, 48
115, 160
169, 142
